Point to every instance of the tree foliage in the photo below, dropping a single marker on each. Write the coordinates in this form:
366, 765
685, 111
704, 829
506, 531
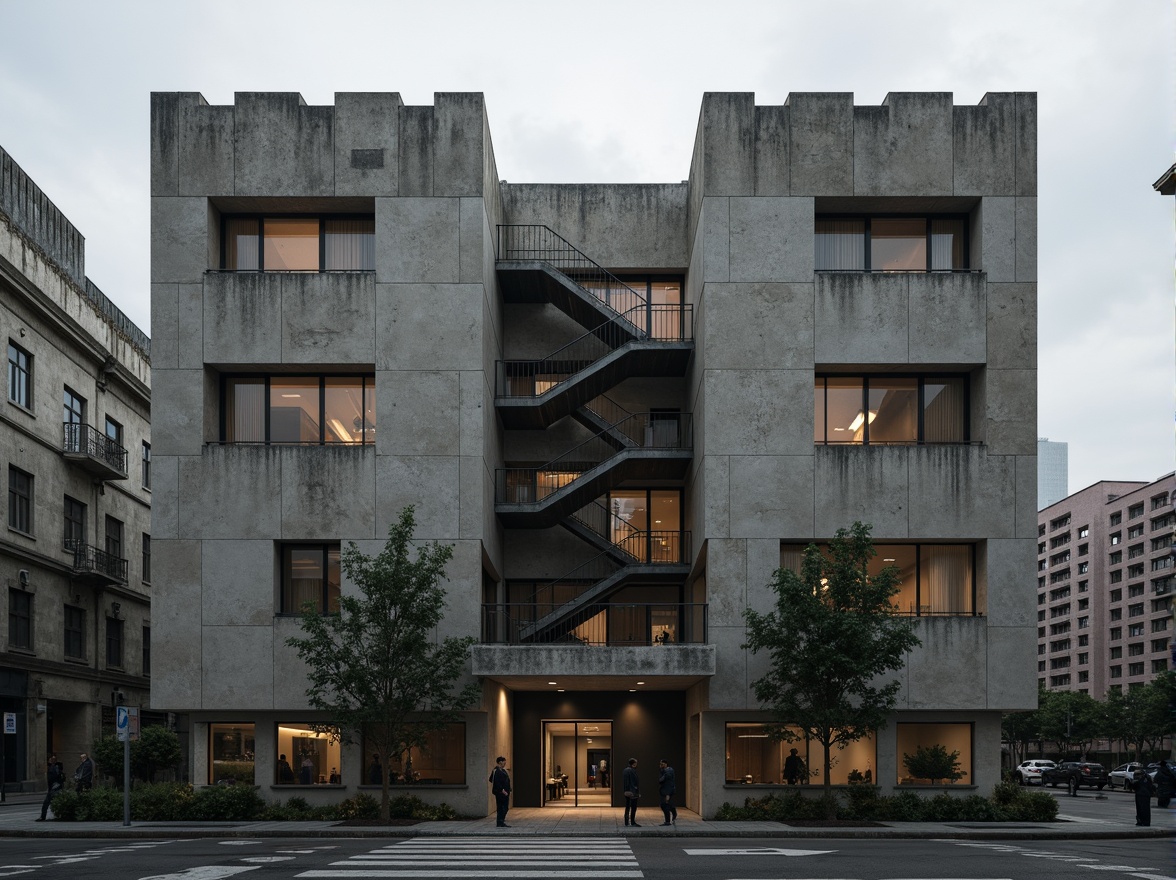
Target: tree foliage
156, 749
833, 640
934, 763
376, 668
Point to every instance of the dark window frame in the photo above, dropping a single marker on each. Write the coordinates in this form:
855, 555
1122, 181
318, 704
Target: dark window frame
73, 407
117, 426
146, 656
20, 619
367, 380
146, 575
327, 596
922, 379
276, 215
20, 376
21, 507
115, 537
867, 217
146, 465
73, 523
74, 630
114, 643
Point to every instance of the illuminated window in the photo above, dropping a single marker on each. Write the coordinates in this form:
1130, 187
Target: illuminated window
953, 737
754, 757
230, 753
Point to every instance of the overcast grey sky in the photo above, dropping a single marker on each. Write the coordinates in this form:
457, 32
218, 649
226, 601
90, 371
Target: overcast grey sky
610, 92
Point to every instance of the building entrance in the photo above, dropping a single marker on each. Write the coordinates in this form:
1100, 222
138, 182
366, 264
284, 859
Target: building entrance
577, 763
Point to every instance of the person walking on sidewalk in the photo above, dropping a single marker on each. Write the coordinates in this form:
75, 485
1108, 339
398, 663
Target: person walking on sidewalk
631, 787
500, 788
55, 777
666, 788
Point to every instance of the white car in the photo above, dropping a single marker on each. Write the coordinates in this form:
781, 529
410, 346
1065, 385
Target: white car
1029, 772
1123, 775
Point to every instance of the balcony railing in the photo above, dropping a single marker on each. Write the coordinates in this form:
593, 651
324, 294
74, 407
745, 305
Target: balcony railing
607, 625
90, 563
94, 451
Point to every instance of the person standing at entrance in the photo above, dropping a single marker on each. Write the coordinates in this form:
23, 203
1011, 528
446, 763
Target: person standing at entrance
666, 788
84, 775
56, 782
500, 788
631, 786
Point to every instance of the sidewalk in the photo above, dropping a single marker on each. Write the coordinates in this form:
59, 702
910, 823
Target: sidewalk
18, 815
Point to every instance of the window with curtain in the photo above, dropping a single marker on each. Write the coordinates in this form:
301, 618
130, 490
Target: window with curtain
890, 410
310, 574
936, 580
298, 244
305, 410
891, 244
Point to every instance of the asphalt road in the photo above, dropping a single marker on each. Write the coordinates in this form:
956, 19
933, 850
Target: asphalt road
616, 858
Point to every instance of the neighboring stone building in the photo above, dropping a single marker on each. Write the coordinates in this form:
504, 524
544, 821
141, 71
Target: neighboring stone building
603, 396
1104, 586
75, 546
1053, 472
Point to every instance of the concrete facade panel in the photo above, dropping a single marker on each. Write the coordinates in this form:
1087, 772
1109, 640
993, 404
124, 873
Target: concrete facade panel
228, 684
165, 326
961, 492
206, 144
1012, 412
821, 149
435, 324
368, 122
328, 492
947, 319
985, 146
176, 622
1006, 561
419, 240
430, 482
458, 145
772, 141
714, 479
328, 319
1026, 239
771, 496
419, 412
997, 218
179, 430
744, 411
1011, 651
904, 146
726, 581
179, 239
861, 319
282, 147
944, 671
866, 483
416, 153
165, 474
237, 583
190, 343
728, 126
165, 143
1026, 143
771, 239
472, 243
1012, 327
716, 239
242, 318
752, 326
209, 483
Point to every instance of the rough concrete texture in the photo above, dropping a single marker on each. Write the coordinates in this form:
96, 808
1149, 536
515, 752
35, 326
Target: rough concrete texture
282, 147
367, 122
904, 146
821, 145
771, 239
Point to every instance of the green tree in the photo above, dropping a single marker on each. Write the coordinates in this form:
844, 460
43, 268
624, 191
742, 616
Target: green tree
157, 748
934, 763
1071, 719
376, 668
1019, 729
833, 640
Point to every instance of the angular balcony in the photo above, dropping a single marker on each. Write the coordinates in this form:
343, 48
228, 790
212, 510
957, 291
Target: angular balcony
93, 451
97, 567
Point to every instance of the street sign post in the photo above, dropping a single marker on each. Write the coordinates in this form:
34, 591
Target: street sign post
126, 723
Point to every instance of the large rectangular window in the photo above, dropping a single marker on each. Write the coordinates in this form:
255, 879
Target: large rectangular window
230, 754
304, 410
75, 632
890, 410
75, 524
310, 574
306, 757
20, 619
952, 737
20, 376
440, 761
933, 579
299, 244
891, 244
20, 500
114, 537
754, 757
73, 408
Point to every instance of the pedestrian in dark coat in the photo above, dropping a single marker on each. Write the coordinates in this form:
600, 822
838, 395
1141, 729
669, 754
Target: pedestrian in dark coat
55, 779
1165, 785
666, 788
631, 787
1143, 795
500, 788
84, 775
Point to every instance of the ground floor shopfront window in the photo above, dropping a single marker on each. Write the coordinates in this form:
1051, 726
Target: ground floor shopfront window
754, 757
910, 737
306, 757
230, 751
440, 761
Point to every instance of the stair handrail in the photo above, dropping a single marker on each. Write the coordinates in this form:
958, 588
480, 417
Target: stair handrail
603, 340
605, 524
535, 241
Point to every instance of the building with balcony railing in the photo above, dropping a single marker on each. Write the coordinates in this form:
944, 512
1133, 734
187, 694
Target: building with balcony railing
625, 406
75, 538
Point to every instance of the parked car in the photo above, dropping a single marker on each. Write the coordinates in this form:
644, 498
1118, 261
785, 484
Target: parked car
1029, 772
1075, 774
1123, 775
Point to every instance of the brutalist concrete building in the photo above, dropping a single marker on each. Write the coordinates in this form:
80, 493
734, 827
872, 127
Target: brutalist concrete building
75, 533
625, 405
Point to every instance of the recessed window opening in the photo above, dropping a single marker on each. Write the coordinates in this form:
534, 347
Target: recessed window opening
298, 244
911, 244
890, 410
305, 410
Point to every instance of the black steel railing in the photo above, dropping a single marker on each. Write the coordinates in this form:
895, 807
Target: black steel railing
602, 625
544, 245
86, 440
92, 561
900, 271
533, 377
655, 431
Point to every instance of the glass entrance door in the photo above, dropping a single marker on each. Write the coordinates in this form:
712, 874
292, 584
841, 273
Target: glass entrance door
577, 763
